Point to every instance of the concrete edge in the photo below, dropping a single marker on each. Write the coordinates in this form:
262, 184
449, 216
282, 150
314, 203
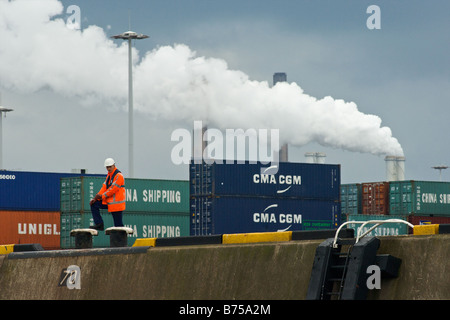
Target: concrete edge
77, 252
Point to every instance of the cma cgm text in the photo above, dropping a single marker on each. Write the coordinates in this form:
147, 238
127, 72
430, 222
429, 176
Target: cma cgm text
272, 179
272, 218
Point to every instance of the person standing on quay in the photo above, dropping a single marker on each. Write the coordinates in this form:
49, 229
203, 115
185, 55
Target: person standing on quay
111, 196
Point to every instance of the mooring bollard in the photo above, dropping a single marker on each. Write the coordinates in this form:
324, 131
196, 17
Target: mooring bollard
118, 236
83, 237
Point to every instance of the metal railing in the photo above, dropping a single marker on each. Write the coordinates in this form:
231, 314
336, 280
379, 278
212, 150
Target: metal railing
359, 233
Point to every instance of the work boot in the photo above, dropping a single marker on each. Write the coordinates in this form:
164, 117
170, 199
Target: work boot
99, 227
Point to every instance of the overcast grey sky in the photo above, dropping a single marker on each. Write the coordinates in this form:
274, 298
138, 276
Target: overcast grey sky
69, 89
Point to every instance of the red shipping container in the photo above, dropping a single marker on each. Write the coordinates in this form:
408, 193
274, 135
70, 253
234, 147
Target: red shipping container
418, 220
18, 227
375, 198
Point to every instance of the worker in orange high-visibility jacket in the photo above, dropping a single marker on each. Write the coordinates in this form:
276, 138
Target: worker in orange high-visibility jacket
111, 196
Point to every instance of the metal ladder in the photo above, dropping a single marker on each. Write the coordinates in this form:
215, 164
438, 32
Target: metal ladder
340, 275
337, 274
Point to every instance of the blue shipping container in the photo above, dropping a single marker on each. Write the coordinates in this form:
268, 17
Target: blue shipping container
219, 215
36, 191
293, 180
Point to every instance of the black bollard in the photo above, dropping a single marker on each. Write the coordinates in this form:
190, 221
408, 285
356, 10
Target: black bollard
118, 236
83, 237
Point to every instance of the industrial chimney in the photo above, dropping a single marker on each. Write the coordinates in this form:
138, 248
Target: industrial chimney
279, 77
198, 150
320, 157
309, 157
395, 168
315, 157
401, 168
283, 153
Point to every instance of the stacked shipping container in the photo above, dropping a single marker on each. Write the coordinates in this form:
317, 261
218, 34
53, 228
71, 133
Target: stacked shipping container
375, 198
420, 198
387, 229
154, 208
423, 198
42, 227
233, 198
415, 201
351, 198
30, 207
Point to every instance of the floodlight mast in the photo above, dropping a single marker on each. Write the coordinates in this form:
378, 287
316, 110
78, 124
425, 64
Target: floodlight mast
440, 168
130, 35
3, 110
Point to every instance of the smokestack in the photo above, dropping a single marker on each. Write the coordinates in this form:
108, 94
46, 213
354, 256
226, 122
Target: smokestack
309, 157
391, 172
400, 168
395, 168
198, 134
279, 77
283, 154
315, 157
320, 157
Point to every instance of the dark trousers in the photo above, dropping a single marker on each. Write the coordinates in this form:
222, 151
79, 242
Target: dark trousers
95, 209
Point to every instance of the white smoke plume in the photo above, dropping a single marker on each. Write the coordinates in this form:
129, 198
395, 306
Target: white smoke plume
172, 83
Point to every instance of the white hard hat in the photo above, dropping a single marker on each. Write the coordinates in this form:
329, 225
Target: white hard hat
109, 162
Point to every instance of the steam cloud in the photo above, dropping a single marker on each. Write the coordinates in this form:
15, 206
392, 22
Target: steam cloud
171, 83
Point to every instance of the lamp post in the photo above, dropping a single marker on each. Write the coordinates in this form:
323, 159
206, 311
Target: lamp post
130, 35
2, 110
440, 168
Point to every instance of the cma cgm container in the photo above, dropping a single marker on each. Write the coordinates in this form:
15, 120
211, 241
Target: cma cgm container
292, 180
42, 227
144, 225
420, 198
142, 195
218, 215
387, 229
375, 198
34, 191
351, 198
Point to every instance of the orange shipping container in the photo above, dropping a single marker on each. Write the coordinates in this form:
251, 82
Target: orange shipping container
375, 198
42, 227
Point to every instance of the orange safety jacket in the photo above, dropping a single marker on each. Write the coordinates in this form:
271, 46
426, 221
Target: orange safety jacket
113, 191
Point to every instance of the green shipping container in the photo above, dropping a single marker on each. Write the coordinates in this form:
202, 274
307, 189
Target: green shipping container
420, 198
351, 198
387, 229
144, 225
142, 195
